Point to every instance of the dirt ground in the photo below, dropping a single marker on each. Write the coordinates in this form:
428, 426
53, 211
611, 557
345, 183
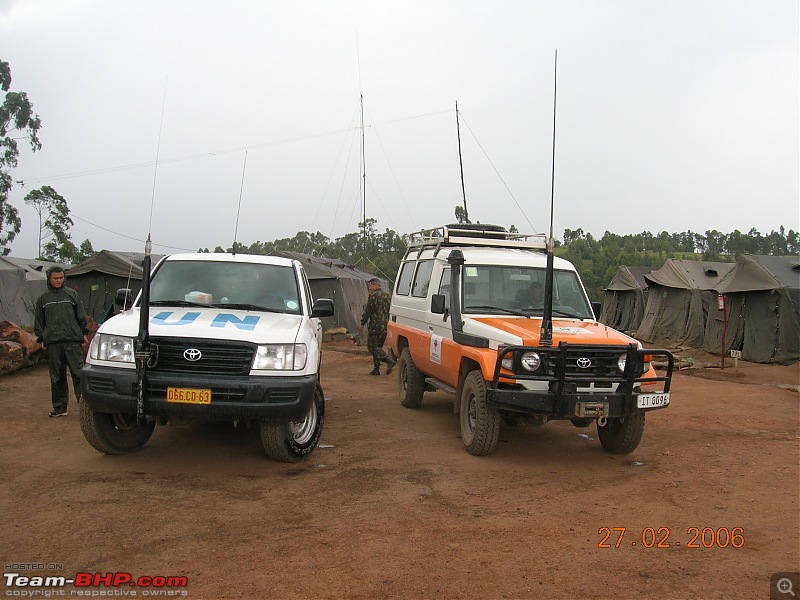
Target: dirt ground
391, 506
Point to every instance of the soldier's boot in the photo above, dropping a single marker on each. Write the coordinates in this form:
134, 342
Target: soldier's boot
390, 363
376, 369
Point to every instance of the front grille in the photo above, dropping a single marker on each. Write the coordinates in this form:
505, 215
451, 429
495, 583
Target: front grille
600, 363
582, 364
217, 357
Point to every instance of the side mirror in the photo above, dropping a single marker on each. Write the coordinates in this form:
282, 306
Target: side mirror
124, 299
323, 307
597, 309
437, 304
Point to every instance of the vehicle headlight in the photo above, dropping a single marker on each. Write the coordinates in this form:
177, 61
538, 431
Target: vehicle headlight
623, 358
280, 357
116, 348
530, 361
508, 362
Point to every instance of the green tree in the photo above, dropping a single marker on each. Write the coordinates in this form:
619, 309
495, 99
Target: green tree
54, 222
84, 252
16, 115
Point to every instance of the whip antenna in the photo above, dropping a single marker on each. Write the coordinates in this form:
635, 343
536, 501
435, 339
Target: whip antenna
461, 166
553, 170
155, 170
141, 346
239, 208
546, 336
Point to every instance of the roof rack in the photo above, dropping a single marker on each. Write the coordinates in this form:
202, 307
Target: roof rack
475, 235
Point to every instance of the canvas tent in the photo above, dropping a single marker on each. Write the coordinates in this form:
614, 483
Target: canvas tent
16, 302
625, 298
762, 296
345, 284
22, 281
98, 278
678, 301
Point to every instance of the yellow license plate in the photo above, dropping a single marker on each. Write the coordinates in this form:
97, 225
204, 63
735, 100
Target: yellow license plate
188, 395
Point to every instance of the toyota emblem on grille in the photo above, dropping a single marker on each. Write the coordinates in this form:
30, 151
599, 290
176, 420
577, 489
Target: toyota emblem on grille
192, 354
584, 363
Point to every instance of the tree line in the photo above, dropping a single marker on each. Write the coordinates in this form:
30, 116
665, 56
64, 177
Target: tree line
596, 259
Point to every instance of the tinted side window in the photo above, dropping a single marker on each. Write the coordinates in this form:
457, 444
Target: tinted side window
422, 279
404, 281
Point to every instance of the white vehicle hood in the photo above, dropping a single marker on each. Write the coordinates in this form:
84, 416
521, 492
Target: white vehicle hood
213, 323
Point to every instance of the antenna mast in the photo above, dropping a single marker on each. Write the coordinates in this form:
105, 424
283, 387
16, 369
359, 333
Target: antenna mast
239, 208
363, 187
141, 345
546, 336
461, 166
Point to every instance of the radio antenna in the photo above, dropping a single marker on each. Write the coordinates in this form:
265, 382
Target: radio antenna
158, 151
239, 208
461, 166
546, 336
141, 345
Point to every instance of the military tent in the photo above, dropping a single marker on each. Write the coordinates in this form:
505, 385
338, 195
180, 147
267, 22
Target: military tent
98, 278
345, 284
22, 281
762, 306
678, 300
625, 298
16, 303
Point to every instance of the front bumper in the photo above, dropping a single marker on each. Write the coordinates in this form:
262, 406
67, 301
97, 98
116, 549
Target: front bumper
110, 390
566, 394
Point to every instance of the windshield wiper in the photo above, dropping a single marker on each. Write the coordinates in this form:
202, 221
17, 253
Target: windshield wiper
507, 311
556, 312
175, 303
243, 306
569, 315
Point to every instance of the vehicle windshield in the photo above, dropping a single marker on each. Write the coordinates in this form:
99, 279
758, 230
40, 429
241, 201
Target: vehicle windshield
246, 286
491, 289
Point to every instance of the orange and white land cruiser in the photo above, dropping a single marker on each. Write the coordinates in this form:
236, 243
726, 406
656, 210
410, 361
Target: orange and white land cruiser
477, 313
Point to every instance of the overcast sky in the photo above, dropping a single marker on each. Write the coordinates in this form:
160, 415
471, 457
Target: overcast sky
672, 115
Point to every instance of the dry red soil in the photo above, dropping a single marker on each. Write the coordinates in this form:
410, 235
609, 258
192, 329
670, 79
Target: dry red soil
390, 505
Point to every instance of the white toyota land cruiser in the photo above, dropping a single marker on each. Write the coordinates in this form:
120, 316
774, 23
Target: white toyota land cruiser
230, 337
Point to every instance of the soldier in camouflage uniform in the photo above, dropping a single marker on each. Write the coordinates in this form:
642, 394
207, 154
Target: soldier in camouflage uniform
376, 315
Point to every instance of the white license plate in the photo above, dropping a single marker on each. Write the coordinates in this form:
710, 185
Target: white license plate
652, 400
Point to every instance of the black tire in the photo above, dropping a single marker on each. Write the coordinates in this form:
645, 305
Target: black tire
621, 435
410, 381
113, 433
480, 424
293, 441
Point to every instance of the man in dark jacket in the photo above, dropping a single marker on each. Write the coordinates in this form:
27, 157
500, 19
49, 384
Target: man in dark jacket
60, 327
376, 315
